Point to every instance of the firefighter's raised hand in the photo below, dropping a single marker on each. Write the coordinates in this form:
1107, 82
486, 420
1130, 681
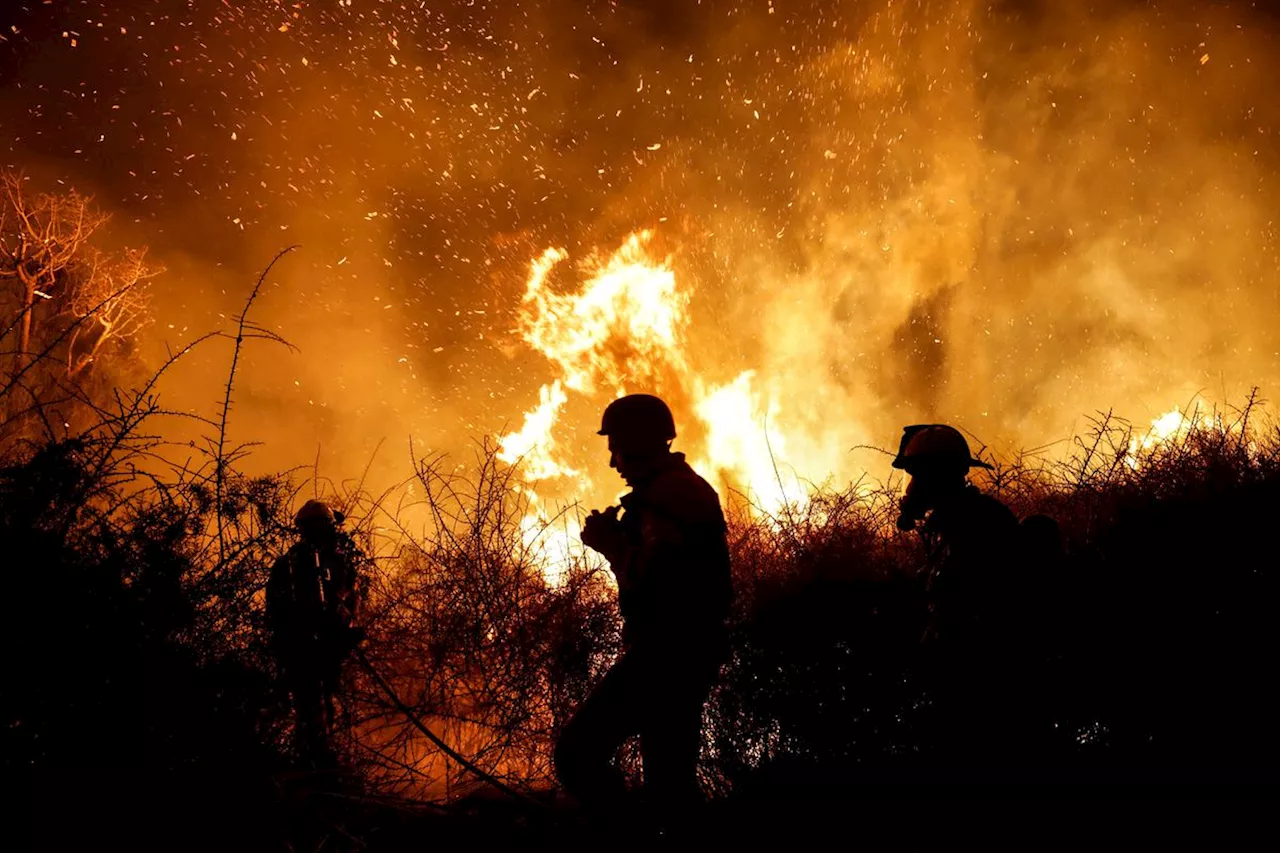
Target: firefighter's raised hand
602, 531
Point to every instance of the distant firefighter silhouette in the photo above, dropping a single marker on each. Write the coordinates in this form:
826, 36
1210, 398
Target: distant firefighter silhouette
311, 611
669, 554
974, 644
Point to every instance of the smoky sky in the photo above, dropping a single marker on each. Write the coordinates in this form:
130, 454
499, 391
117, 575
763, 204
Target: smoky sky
420, 154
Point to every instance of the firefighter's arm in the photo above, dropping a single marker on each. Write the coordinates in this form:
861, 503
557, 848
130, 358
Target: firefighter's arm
352, 560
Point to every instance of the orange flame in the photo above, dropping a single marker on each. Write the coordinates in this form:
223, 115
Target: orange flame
1174, 425
623, 330
622, 326
739, 447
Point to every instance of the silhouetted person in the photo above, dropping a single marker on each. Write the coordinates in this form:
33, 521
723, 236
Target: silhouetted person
671, 560
975, 645
311, 610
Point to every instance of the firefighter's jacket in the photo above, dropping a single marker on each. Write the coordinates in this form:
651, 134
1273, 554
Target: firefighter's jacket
311, 594
974, 562
674, 583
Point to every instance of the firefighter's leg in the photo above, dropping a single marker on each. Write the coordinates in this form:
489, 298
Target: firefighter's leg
329, 682
671, 733
308, 704
586, 751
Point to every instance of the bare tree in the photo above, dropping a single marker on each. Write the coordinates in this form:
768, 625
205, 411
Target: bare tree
64, 302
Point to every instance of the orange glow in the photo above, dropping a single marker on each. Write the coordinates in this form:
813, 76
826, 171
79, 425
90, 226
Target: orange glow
804, 235
624, 329
1176, 425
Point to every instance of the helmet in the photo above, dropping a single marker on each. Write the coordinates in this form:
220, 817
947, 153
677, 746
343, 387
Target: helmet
934, 443
638, 416
314, 510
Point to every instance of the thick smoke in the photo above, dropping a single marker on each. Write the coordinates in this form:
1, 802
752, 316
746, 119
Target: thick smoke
1004, 215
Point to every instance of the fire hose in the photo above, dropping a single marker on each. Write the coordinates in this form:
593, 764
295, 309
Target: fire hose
434, 738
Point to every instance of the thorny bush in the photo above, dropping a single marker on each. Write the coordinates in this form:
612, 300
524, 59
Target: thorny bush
136, 582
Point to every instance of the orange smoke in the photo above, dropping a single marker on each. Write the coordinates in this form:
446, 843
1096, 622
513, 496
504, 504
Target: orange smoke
1002, 216
1006, 222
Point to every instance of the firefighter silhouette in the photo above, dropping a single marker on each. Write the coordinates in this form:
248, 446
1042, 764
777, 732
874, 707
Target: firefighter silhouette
977, 650
312, 603
669, 554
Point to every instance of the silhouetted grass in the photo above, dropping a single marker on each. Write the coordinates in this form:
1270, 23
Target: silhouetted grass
135, 629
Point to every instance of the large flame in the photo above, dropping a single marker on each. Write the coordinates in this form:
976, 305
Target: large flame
741, 448
622, 325
623, 329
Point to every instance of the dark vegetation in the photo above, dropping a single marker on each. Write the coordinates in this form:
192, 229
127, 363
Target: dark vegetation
137, 684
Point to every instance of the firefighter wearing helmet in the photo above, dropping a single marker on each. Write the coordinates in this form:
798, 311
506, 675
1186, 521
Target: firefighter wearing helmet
311, 611
937, 458
972, 543
669, 554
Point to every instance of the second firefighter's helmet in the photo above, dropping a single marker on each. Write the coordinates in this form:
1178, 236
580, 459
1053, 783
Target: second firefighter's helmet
934, 445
